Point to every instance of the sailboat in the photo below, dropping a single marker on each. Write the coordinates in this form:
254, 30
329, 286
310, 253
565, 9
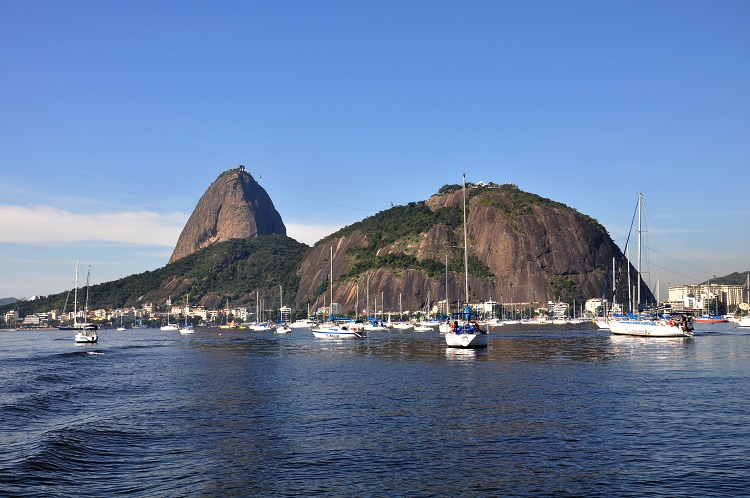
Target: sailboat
401, 325
121, 328
336, 328
649, 326
169, 326
428, 323
187, 328
445, 323
282, 328
87, 331
466, 333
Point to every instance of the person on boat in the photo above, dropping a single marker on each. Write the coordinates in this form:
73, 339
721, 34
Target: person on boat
454, 327
475, 326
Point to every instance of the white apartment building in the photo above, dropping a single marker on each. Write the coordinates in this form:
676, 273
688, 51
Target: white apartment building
11, 316
696, 297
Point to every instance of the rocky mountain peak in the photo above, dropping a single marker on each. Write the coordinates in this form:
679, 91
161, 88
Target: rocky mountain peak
235, 206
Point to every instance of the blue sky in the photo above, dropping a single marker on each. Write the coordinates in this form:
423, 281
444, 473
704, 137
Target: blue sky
116, 116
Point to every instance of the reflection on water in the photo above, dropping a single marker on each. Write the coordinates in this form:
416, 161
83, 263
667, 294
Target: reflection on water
461, 354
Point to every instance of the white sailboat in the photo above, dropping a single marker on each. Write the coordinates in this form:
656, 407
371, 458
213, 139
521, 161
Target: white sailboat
304, 323
169, 326
426, 324
646, 326
282, 328
187, 328
466, 333
87, 331
337, 329
445, 324
401, 325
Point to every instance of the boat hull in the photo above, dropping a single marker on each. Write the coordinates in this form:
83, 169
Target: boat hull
453, 340
648, 328
86, 338
302, 324
337, 332
170, 327
710, 319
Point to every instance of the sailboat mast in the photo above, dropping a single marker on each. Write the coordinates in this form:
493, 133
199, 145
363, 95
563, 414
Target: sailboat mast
466, 245
75, 299
614, 282
638, 277
86, 306
447, 302
331, 310
630, 287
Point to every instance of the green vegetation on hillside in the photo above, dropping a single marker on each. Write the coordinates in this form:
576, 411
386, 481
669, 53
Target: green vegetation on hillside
234, 270
403, 222
399, 222
566, 290
735, 278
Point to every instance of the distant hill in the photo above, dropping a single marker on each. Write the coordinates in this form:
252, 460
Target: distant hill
7, 300
236, 270
735, 278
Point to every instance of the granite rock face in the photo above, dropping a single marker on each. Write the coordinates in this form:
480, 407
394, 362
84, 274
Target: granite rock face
235, 206
535, 250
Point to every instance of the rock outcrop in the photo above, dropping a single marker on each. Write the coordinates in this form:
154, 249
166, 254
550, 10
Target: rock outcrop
233, 207
522, 248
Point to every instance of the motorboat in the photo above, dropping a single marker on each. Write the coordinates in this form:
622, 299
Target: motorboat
333, 330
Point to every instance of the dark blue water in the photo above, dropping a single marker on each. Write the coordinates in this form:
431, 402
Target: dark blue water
555, 412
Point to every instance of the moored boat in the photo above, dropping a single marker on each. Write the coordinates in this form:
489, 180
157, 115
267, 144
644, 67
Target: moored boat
333, 330
402, 326
424, 328
710, 319
86, 331
187, 328
261, 327
656, 327
467, 334
302, 324
337, 328
169, 326
647, 325
283, 328
87, 335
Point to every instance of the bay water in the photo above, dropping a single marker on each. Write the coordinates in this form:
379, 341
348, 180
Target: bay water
543, 411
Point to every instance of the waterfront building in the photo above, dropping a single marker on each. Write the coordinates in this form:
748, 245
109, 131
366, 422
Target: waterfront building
698, 297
